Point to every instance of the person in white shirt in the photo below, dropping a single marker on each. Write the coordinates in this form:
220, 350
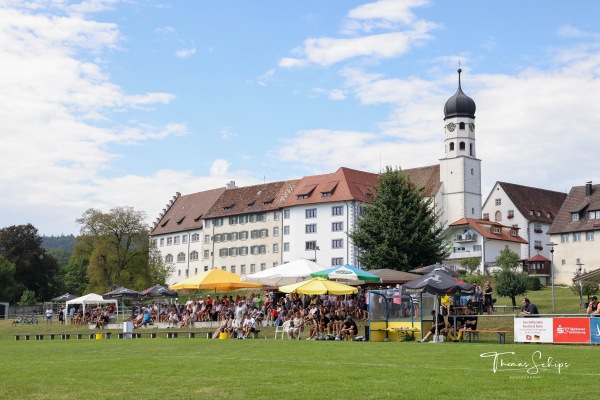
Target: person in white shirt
49, 313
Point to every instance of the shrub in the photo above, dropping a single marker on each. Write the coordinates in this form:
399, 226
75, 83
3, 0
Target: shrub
532, 283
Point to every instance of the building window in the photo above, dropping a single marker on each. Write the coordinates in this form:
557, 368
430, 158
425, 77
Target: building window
169, 258
196, 237
262, 217
222, 252
311, 213
263, 266
563, 262
451, 146
275, 264
286, 214
576, 236
311, 245
243, 235
564, 238
218, 221
538, 244
511, 213
537, 228
194, 256
243, 250
243, 269
461, 146
337, 243
206, 239
154, 242
176, 240
181, 257
207, 223
337, 210
337, 261
162, 242
311, 228
233, 236
498, 202
233, 251
233, 269
337, 226
276, 248
218, 238
233, 220
206, 253
286, 247
276, 215
252, 268
461, 126
495, 229
184, 239
225, 237
286, 230
476, 247
486, 216
589, 236
276, 231
498, 216
242, 219
169, 241
594, 215
178, 272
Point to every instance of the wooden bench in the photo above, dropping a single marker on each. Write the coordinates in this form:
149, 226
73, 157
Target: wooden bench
191, 335
137, 335
63, 336
501, 334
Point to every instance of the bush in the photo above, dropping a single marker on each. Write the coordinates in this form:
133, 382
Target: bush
532, 283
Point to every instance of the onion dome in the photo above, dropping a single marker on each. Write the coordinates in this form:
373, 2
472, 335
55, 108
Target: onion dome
459, 105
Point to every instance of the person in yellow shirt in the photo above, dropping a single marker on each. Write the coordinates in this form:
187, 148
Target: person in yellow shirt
446, 301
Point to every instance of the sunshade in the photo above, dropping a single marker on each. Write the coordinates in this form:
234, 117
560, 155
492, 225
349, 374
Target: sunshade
158, 291
122, 293
285, 274
347, 273
65, 297
318, 286
214, 279
437, 282
435, 267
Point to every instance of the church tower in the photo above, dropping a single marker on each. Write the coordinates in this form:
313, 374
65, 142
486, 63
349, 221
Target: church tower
460, 169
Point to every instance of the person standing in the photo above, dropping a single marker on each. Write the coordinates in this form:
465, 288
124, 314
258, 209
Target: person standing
49, 314
487, 297
528, 309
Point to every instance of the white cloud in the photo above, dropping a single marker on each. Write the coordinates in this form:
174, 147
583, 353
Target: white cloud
266, 77
337, 94
185, 53
219, 168
381, 14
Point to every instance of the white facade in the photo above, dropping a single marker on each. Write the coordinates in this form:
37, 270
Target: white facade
460, 171
319, 232
181, 251
569, 253
243, 244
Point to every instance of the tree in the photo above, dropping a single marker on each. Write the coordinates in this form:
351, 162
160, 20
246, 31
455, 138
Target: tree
74, 275
115, 246
509, 283
7, 277
28, 298
35, 269
399, 230
585, 288
470, 264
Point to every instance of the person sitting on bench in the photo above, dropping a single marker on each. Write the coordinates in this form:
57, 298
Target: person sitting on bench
439, 325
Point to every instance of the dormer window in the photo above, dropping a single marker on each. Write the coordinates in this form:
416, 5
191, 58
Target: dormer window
594, 215
495, 229
574, 216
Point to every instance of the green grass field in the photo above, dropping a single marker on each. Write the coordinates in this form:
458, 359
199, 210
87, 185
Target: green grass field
281, 369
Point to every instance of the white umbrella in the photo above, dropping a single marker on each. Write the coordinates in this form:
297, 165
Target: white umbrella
285, 274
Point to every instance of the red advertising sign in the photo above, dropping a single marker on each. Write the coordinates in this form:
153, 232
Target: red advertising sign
571, 330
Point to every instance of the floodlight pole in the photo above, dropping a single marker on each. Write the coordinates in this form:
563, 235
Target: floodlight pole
316, 248
551, 244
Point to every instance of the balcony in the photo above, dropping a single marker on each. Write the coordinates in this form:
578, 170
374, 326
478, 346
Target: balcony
459, 255
465, 238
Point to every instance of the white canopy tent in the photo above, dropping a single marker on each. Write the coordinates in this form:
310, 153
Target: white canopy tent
285, 274
91, 298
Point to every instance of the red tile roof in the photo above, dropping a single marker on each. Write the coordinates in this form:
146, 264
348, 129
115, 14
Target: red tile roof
577, 201
528, 199
427, 178
480, 225
537, 257
186, 212
251, 199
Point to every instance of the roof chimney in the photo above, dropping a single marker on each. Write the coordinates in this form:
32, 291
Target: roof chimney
230, 185
588, 189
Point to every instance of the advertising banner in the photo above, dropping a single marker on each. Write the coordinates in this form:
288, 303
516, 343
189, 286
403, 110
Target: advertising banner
571, 330
595, 330
533, 330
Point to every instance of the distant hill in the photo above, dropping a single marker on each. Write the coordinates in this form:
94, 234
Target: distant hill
61, 242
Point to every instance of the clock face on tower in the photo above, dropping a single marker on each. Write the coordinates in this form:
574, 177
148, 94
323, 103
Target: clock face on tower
451, 126
471, 127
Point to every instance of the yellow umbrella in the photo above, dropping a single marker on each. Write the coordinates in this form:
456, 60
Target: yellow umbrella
318, 286
214, 279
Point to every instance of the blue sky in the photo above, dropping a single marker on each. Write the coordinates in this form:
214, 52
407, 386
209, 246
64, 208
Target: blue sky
108, 103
